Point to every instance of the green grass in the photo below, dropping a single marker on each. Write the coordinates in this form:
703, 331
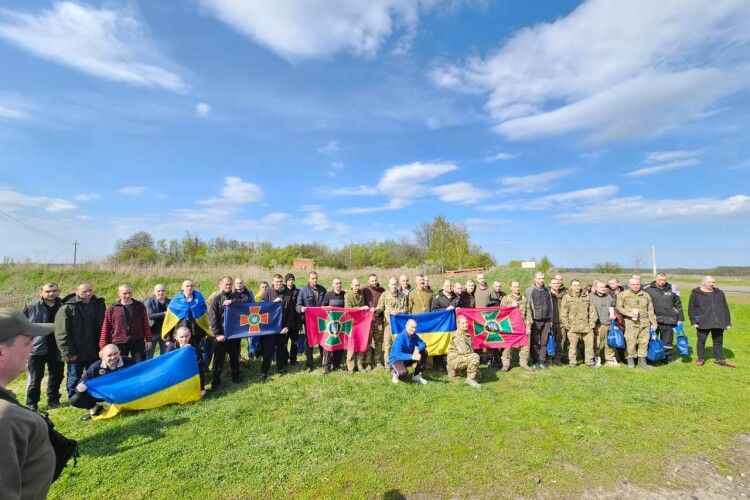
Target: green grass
308, 435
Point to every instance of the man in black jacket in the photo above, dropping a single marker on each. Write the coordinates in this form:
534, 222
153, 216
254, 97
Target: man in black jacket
709, 314
295, 319
226, 297
277, 342
310, 296
668, 310
45, 350
78, 325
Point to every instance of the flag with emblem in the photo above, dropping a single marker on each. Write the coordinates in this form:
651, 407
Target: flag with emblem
338, 328
252, 319
495, 327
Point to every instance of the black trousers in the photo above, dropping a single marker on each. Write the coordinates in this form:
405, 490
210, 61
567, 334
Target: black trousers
539, 333
717, 335
136, 349
221, 349
271, 344
666, 334
293, 336
309, 355
399, 367
83, 400
56, 370
333, 359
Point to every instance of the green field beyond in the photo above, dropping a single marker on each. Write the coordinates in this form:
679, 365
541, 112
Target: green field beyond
351, 436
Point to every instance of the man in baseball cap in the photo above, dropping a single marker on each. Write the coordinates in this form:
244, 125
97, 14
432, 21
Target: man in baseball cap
27, 459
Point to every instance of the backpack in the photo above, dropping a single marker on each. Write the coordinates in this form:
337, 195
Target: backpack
655, 351
551, 344
615, 336
64, 448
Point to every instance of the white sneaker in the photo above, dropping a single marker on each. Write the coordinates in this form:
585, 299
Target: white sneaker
598, 362
472, 383
419, 379
394, 379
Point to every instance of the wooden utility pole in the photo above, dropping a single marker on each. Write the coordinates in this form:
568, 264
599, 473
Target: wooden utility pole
653, 259
75, 251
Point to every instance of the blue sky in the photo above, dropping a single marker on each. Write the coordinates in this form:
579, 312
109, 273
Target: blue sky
584, 131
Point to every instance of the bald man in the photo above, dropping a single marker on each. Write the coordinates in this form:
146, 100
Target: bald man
637, 311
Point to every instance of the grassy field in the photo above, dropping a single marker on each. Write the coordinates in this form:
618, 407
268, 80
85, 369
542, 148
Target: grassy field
309, 435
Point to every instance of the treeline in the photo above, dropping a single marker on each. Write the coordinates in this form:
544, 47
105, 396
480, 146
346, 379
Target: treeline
439, 245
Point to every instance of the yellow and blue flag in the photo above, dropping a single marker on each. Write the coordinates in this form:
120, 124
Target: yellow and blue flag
434, 328
251, 319
171, 378
179, 308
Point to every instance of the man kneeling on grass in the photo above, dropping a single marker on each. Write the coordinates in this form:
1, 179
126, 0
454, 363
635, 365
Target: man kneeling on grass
407, 350
461, 355
182, 339
109, 361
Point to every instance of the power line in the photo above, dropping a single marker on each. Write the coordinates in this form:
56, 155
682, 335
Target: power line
13, 218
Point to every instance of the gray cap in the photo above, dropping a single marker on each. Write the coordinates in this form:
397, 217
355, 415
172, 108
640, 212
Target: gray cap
13, 323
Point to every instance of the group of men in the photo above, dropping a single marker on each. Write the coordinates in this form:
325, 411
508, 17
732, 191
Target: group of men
575, 315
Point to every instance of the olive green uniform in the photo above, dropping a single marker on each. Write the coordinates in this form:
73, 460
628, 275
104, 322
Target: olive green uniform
636, 331
353, 300
522, 303
561, 336
390, 303
420, 301
578, 317
461, 355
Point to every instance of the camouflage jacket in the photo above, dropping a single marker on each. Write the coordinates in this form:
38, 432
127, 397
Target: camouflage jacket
461, 344
577, 313
354, 299
420, 301
627, 301
391, 304
519, 301
557, 299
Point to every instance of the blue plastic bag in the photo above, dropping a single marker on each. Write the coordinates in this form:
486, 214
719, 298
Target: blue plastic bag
551, 344
655, 351
615, 336
683, 346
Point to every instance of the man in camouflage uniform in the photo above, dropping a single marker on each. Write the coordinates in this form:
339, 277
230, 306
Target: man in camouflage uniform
391, 301
372, 293
638, 314
461, 355
578, 317
420, 300
556, 289
516, 299
355, 299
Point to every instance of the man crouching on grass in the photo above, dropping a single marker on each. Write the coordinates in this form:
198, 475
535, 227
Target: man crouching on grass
407, 350
110, 360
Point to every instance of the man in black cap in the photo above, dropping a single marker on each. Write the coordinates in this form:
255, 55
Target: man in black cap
27, 459
295, 319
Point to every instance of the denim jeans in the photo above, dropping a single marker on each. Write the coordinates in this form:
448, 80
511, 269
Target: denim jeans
162, 347
76, 370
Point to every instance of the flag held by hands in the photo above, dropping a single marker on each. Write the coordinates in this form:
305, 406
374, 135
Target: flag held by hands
338, 328
252, 319
495, 327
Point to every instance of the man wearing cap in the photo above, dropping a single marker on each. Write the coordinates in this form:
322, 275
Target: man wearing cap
45, 351
295, 319
27, 459
78, 326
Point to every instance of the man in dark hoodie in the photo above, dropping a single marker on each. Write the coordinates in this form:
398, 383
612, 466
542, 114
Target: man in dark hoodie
278, 292
310, 296
668, 310
709, 314
336, 297
126, 325
295, 319
223, 346
78, 325
45, 351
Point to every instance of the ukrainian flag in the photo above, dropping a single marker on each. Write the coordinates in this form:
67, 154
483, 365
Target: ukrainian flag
171, 378
434, 328
179, 308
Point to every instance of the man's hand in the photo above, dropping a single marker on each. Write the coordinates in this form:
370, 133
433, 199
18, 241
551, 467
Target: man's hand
364, 308
416, 356
148, 345
302, 308
450, 308
284, 330
277, 299
220, 338
81, 387
227, 302
72, 359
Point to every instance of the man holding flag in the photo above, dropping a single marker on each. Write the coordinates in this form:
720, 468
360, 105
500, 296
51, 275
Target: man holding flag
392, 301
277, 342
515, 299
226, 297
310, 296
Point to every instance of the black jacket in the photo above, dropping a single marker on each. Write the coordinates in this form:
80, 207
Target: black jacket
708, 309
216, 310
295, 319
334, 299
39, 312
667, 304
76, 333
441, 302
288, 312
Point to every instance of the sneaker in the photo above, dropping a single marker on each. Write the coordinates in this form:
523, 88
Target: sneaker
527, 368
612, 363
594, 366
505, 368
368, 368
394, 379
451, 372
722, 362
598, 362
418, 379
51, 405
472, 383
699, 362
572, 365
310, 369
32, 407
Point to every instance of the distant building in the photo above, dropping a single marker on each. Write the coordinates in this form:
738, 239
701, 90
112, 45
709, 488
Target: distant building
528, 264
303, 264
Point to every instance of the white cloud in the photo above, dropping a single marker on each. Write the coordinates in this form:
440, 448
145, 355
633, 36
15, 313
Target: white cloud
107, 43
394, 204
666, 167
319, 221
236, 192
460, 192
557, 200
593, 155
610, 69
301, 29
330, 148
13, 107
13, 201
85, 197
360, 190
202, 110
532, 183
662, 156
502, 157
132, 190
641, 210
742, 165
276, 218
337, 165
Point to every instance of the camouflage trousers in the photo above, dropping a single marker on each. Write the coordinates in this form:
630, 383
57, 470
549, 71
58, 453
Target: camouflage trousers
523, 354
387, 343
588, 344
355, 359
600, 343
561, 341
467, 362
636, 340
375, 352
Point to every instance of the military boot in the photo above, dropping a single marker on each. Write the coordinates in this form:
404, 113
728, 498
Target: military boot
631, 363
642, 364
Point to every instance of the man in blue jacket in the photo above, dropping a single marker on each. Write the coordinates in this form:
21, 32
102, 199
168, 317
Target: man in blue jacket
310, 296
407, 350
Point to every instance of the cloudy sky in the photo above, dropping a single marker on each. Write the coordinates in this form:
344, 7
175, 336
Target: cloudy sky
584, 131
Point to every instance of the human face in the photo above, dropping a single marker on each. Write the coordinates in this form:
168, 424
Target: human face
263, 287
634, 285
85, 292
182, 337
110, 356
447, 287
126, 294
49, 293
709, 284
290, 283
16, 355
481, 280
661, 281
426, 282
601, 288
225, 286
393, 285
239, 284
355, 285
187, 288
496, 286
420, 282
458, 288
160, 292
337, 285
278, 284
515, 288
539, 280
411, 328
373, 281
613, 284
461, 323
554, 284
312, 279
470, 287
404, 282
576, 287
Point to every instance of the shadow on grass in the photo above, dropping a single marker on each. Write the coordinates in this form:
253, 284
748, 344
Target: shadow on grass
393, 495
141, 430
